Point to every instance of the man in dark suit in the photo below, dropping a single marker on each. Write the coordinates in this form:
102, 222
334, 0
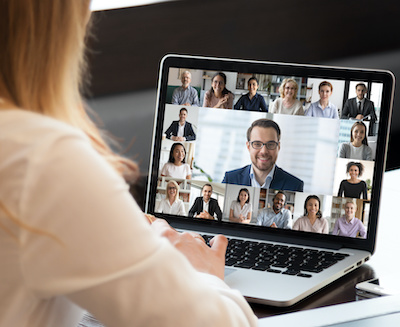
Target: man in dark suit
263, 144
205, 206
181, 130
360, 107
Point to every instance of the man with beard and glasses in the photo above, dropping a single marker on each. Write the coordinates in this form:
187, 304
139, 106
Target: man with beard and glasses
277, 216
263, 138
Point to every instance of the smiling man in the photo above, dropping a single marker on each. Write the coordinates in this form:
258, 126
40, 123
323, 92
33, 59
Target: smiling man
263, 144
277, 216
360, 107
185, 95
205, 206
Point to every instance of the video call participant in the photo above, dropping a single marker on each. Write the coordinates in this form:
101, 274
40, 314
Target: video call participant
353, 187
172, 204
358, 147
360, 107
348, 225
241, 208
323, 107
252, 101
218, 96
288, 104
205, 206
176, 167
181, 130
263, 145
185, 95
312, 220
277, 216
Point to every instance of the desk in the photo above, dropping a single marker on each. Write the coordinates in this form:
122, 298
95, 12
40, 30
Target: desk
342, 290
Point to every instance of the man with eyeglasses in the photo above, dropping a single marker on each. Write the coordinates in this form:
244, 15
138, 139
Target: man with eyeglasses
263, 138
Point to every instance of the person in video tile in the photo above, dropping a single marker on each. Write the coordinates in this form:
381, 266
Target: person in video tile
360, 107
218, 96
185, 95
252, 100
288, 103
277, 216
312, 220
323, 107
181, 130
263, 145
353, 187
176, 167
241, 208
205, 206
172, 204
348, 225
358, 147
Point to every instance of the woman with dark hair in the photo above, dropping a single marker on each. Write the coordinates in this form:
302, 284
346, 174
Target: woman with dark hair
218, 96
312, 220
176, 167
323, 107
241, 208
358, 147
353, 187
252, 101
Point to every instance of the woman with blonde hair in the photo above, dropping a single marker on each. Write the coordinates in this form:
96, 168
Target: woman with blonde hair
71, 236
172, 204
288, 103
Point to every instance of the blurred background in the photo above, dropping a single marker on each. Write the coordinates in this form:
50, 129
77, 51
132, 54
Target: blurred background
128, 44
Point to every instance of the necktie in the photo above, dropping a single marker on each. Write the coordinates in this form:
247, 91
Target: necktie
359, 107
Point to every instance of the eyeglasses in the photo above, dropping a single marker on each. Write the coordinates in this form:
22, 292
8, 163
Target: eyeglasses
270, 145
171, 188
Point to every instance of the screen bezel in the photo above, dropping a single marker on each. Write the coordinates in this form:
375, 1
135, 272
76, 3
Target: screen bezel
285, 69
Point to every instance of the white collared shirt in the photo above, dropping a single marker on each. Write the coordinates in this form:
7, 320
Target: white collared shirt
181, 129
268, 179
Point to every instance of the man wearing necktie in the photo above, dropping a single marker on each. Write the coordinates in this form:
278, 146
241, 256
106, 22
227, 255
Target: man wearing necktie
360, 107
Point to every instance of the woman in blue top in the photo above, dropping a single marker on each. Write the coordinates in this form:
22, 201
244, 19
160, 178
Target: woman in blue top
323, 107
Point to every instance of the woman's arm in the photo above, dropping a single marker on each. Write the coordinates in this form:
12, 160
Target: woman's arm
140, 278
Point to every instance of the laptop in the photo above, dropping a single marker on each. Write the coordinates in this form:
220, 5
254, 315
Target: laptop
289, 181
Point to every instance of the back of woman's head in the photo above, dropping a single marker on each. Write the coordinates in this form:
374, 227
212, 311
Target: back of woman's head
42, 62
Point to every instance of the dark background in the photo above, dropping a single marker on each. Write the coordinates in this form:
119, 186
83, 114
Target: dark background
129, 43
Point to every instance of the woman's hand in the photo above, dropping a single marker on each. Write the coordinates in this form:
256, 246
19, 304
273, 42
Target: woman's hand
203, 258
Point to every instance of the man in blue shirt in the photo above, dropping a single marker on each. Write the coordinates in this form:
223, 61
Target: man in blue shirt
277, 216
185, 95
263, 144
252, 101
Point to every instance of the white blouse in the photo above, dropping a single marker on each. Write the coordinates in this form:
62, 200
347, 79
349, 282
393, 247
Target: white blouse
238, 210
171, 170
99, 252
177, 207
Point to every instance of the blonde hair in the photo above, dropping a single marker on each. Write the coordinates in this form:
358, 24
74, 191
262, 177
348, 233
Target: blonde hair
42, 63
283, 85
177, 189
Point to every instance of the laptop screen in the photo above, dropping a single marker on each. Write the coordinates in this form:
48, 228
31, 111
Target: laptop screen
281, 149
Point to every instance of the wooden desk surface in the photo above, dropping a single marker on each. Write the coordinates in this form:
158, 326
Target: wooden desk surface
342, 290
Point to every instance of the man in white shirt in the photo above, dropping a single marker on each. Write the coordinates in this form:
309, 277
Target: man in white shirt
205, 206
360, 107
181, 130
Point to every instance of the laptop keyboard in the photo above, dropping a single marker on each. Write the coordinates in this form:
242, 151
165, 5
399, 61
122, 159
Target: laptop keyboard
279, 259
